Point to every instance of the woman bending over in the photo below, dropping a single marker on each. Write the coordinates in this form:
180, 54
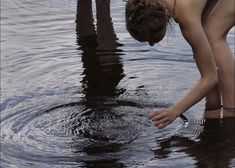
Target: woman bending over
204, 25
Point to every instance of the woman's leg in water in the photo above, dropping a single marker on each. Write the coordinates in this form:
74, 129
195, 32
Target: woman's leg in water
213, 98
217, 24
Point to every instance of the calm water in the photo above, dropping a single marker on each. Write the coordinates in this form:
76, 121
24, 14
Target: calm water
76, 91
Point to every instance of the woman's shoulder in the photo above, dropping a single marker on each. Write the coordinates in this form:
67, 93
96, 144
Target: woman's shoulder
188, 11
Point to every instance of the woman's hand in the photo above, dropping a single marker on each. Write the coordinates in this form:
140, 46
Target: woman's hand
162, 117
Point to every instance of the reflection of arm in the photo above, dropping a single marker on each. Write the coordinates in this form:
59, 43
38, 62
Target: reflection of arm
193, 32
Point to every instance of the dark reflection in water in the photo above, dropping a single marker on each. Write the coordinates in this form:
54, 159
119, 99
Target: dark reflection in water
102, 66
103, 71
215, 146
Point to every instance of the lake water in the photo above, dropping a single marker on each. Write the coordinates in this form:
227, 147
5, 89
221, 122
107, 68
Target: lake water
76, 91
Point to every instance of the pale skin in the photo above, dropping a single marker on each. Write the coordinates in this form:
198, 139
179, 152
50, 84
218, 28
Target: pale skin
206, 32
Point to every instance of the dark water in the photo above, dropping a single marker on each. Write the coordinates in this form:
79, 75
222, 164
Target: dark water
76, 91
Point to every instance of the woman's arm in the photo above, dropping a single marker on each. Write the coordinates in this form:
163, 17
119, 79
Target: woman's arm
193, 32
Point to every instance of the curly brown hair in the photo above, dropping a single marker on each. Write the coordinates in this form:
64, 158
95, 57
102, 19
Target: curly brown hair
145, 18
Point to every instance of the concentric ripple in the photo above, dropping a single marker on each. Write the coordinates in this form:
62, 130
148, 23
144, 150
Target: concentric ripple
55, 135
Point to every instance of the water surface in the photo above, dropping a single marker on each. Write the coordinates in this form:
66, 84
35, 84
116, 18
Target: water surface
76, 91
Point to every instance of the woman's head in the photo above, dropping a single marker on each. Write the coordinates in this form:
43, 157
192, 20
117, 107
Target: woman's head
146, 20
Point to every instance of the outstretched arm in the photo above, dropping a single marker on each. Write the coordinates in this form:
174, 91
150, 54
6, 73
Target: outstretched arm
194, 34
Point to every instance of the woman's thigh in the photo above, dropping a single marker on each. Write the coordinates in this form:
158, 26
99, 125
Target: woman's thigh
221, 18
208, 9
